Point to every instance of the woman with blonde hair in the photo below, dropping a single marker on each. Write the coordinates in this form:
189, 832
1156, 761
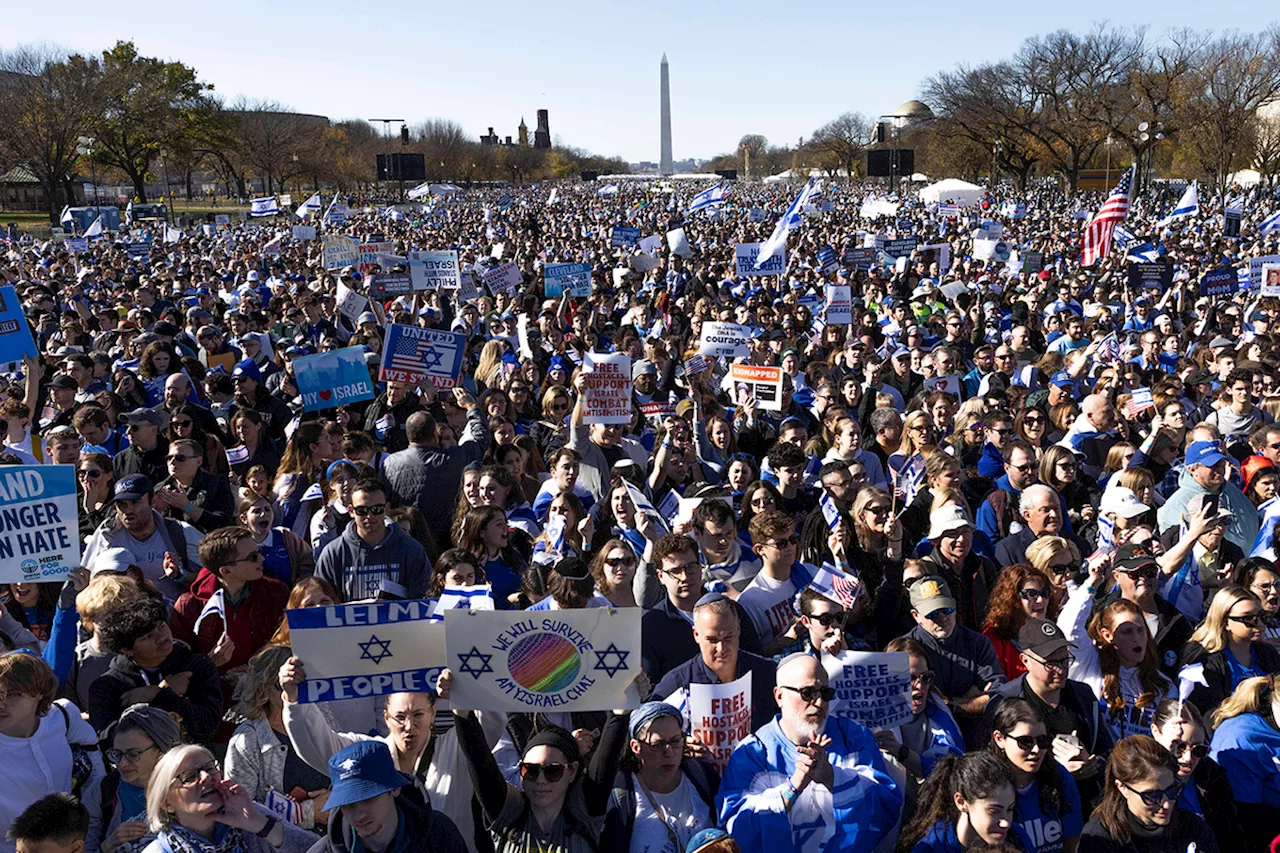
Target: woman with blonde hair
917, 432
1228, 643
192, 809
1246, 739
489, 367
1058, 558
551, 433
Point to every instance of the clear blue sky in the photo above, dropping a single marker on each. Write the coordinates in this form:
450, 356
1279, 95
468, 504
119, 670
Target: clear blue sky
780, 69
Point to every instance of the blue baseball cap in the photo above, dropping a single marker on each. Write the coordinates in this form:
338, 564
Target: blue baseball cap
133, 487
705, 838
1062, 379
362, 771
1205, 453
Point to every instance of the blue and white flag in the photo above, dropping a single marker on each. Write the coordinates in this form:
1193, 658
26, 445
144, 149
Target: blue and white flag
65, 218
1188, 677
610, 189
1145, 253
1271, 224
778, 239
478, 597
1123, 236
707, 198
336, 212
1108, 349
311, 205
371, 649
834, 584
264, 206
95, 229
128, 211
555, 194
505, 202
1188, 205
1183, 590
216, 605
829, 510
1270, 514
910, 478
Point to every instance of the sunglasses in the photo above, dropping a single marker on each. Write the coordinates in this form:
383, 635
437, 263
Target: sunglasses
1153, 799
374, 509
183, 424
91, 473
180, 457
940, 613
1032, 594
812, 693
1033, 421
785, 543
1198, 750
551, 772
828, 620
619, 562
1026, 742
1253, 620
924, 679
1143, 573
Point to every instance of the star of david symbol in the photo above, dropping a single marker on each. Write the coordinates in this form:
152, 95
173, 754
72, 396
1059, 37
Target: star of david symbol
619, 656
432, 358
375, 650
469, 665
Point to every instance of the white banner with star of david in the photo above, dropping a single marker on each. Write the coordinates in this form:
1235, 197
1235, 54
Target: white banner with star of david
560, 660
351, 651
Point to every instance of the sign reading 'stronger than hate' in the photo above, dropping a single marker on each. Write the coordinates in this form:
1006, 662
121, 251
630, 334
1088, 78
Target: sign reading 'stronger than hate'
352, 651
873, 688
563, 660
39, 523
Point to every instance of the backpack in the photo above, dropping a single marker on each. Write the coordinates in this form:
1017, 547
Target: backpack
175, 539
81, 757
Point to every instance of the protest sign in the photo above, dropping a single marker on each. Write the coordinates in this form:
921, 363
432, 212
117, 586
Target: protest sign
623, 237
607, 397
498, 250
649, 244
827, 261
1156, 275
388, 285
859, 257
503, 278
304, 232
340, 251
350, 304
1256, 265
724, 339
39, 523
137, 249
949, 384
1032, 262
643, 263
414, 356
745, 255
1271, 279
899, 248
756, 214
764, 384
873, 688
369, 253
434, 270
468, 291
1231, 223
569, 660
1218, 282
353, 651
576, 278
720, 716
221, 219
839, 304
694, 365
935, 253
16, 342
657, 411
80, 245
678, 243
333, 378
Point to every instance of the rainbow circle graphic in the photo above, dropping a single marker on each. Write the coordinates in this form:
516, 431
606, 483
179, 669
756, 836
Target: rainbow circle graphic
544, 663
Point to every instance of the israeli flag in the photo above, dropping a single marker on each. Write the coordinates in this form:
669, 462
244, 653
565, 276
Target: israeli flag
834, 584
1146, 253
611, 189
1188, 677
1271, 224
829, 510
478, 597
66, 218
94, 230
216, 605
128, 211
505, 202
778, 239
555, 194
264, 206
311, 205
171, 234
1123, 236
1188, 205
1270, 512
707, 198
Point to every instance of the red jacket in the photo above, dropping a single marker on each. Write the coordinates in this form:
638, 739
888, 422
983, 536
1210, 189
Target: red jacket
1007, 652
249, 626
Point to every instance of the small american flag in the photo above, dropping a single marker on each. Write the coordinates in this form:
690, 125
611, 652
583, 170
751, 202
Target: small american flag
836, 585
410, 354
1099, 231
1109, 349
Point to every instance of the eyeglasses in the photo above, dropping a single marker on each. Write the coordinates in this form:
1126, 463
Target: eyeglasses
686, 570
924, 679
186, 780
1153, 799
664, 745
1032, 594
785, 543
1265, 588
90, 473
372, 509
402, 721
1198, 750
1143, 573
829, 620
180, 457
551, 772
812, 693
115, 756
1253, 620
1059, 664
940, 613
183, 424
1027, 742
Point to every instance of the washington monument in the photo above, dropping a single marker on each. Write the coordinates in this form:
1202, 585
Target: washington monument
664, 165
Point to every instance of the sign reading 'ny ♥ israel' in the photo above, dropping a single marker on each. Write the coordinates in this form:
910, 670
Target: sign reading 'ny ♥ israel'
351, 651
569, 660
333, 378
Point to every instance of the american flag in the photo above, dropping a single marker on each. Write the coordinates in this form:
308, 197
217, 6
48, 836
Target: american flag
1109, 349
1098, 233
836, 585
410, 354
1139, 403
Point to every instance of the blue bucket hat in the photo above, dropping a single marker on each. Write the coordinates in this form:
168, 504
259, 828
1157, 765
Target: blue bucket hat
362, 771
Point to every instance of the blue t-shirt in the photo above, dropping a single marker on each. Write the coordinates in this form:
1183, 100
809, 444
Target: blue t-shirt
275, 557
1047, 831
1189, 799
1239, 672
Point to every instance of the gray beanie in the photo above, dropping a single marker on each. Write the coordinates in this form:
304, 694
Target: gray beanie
158, 725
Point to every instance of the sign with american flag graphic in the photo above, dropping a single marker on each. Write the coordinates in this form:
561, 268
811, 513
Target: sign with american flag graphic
414, 356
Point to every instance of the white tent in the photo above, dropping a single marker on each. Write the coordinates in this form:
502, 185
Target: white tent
961, 192
1245, 178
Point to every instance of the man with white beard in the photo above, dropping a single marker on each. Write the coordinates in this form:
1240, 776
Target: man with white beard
807, 782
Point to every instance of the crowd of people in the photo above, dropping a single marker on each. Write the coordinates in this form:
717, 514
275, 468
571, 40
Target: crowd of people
1050, 488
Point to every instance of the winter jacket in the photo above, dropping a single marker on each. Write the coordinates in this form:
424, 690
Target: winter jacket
212, 494
595, 472
430, 478
1185, 832
1217, 672
696, 671
1075, 696
422, 830
357, 570
1242, 530
386, 422
249, 624
256, 760
198, 710
296, 839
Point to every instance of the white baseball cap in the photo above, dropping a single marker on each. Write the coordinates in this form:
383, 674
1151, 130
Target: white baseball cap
1122, 502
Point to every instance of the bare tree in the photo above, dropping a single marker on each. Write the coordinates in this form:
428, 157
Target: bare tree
844, 140
269, 135
984, 108
445, 145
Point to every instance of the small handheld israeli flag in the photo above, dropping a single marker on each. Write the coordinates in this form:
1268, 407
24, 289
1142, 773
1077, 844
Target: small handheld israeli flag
611, 189
310, 205
478, 597
216, 604
829, 510
707, 198
263, 206
836, 585
1188, 677
555, 532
